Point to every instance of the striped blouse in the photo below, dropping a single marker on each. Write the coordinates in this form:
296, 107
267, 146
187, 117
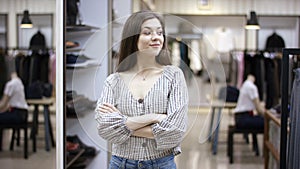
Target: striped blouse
168, 96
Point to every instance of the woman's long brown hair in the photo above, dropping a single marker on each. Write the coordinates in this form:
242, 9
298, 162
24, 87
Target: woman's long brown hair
130, 37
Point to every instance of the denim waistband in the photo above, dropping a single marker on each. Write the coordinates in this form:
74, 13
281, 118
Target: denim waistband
155, 162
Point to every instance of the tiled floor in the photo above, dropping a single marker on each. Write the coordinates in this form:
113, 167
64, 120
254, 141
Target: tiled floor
41, 159
196, 150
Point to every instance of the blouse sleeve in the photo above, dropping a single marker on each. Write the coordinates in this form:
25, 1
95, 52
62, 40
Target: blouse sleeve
111, 126
169, 132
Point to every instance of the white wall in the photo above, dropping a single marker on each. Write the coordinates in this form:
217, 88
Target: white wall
122, 10
14, 7
263, 7
287, 26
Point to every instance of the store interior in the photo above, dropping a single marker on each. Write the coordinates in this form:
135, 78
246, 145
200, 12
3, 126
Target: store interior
74, 53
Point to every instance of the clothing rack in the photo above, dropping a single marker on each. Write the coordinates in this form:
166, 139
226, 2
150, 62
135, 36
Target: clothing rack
28, 51
284, 102
186, 36
26, 48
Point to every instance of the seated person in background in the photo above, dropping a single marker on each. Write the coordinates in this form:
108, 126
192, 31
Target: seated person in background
13, 105
248, 104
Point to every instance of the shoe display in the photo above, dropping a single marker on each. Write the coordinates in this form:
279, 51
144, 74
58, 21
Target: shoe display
89, 151
77, 105
73, 148
78, 153
70, 44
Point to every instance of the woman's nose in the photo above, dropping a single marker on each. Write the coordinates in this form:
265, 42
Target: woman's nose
154, 36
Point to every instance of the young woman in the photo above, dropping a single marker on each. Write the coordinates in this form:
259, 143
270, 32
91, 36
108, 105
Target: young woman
143, 107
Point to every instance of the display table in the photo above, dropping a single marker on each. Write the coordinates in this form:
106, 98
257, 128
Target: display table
213, 134
45, 102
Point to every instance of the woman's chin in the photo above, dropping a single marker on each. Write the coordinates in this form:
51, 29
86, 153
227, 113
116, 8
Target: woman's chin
151, 52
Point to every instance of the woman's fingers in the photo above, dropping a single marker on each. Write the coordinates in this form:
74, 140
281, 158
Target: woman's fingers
111, 107
107, 108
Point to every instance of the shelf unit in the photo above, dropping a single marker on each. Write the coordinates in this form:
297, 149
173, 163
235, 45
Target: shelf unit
80, 34
76, 28
85, 78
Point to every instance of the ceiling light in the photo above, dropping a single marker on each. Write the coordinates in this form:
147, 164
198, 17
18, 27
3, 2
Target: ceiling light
252, 23
26, 22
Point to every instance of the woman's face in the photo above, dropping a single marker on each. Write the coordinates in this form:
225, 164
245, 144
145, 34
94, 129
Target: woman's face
151, 38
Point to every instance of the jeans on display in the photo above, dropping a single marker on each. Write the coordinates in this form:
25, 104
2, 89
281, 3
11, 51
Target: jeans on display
160, 163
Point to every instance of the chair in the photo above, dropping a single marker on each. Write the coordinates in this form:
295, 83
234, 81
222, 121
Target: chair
16, 129
233, 130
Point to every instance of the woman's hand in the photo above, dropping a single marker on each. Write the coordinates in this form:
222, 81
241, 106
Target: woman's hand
159, 117
108, 108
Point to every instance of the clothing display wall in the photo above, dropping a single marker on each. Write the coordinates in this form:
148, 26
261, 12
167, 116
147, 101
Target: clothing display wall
266, 70
32, 66
186, 54
294, 137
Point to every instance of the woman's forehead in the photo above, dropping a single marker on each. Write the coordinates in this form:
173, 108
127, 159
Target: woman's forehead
152, 23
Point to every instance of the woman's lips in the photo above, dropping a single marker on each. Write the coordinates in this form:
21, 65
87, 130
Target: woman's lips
155, 45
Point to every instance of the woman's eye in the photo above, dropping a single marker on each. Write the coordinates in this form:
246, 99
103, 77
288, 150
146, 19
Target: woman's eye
159, 33
146, 33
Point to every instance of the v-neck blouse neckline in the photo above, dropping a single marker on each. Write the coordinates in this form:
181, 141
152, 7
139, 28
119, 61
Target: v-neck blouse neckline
148, 92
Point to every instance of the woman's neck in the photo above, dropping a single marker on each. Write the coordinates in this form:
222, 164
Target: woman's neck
146, 63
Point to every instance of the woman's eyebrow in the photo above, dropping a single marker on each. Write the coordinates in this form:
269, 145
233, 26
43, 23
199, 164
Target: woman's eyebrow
147, 27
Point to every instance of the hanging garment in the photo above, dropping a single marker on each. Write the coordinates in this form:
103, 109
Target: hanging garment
175, 54
22, 67
195, 61
37, 41
52, 65
275, 43
224, 41
240, 75
185, 61
255, 65
184, 55
294, 137
39, 67
270, 79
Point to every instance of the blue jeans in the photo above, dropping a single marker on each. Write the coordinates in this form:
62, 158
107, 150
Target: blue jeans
159, 163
